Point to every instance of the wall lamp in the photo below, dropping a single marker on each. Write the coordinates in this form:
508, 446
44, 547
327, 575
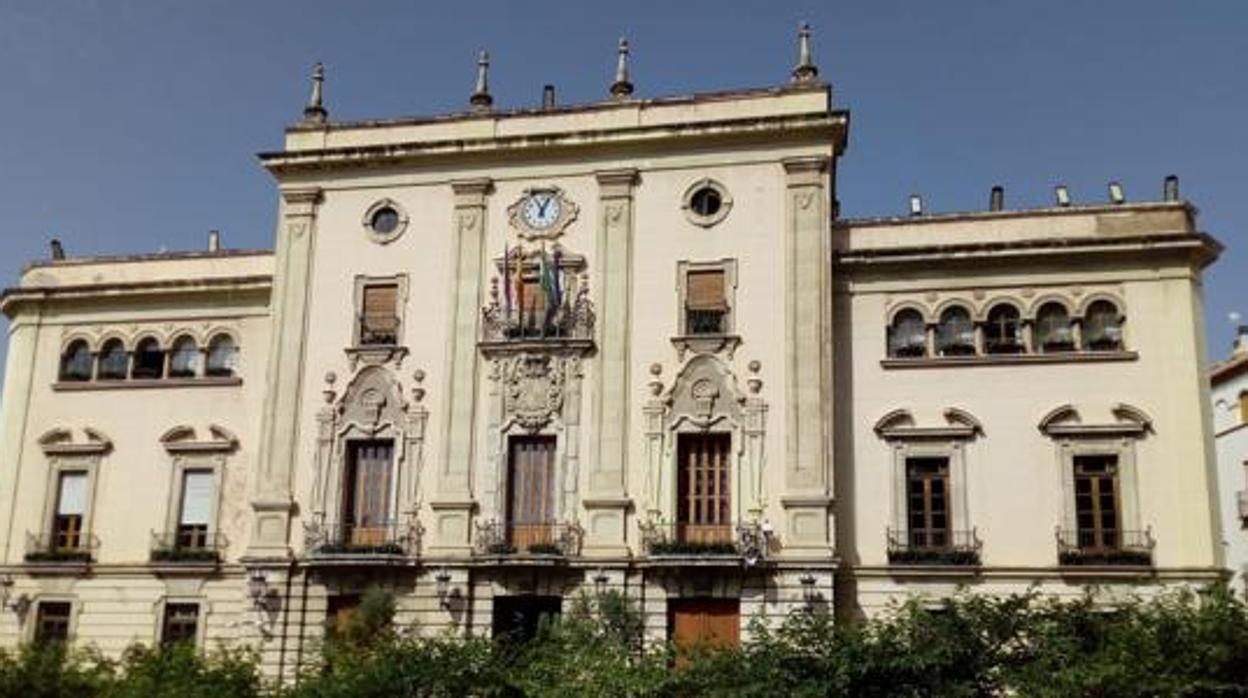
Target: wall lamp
443, 581
809, 594
20, 605
600, 581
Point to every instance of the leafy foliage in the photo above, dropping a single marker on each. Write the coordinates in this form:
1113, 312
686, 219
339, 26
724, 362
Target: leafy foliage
1184, 644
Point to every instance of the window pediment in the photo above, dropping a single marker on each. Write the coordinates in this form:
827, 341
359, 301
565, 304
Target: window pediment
187, 439
1066, 421
63, 441
901, 425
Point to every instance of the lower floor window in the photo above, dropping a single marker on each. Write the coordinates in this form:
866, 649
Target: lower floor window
181, 623
52, 621
518, 618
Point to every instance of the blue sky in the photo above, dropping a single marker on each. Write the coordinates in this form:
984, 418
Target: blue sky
131, 126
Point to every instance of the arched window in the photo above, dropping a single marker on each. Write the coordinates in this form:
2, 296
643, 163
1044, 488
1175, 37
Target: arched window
222, 356
1102, 327
907, 336
76, 362
113, 361
184, 360
955, 334
1053, 331
1003, 330
149, 360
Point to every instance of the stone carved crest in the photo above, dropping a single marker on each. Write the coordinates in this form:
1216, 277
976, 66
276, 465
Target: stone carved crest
372, 401
534, 389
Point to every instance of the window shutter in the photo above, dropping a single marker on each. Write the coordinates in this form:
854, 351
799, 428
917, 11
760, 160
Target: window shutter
380, 302
197, 493
72, 499
704, 290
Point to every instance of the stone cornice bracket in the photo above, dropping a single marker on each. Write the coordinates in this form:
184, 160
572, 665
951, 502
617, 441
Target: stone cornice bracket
301, 201
481, 101
805, 71
622, 88
472, 192
805, 171
616, 184
314, 112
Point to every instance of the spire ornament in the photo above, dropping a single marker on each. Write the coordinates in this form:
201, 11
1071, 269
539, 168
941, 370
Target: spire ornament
805, 70
622, 88
481, 99
315, 112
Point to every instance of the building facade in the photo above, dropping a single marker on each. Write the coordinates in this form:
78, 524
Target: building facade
498, 359
1229, 381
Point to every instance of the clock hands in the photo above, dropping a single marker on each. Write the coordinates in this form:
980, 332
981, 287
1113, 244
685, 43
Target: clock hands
542, 202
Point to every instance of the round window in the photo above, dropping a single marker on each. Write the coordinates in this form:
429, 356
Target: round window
385, 220
705, 202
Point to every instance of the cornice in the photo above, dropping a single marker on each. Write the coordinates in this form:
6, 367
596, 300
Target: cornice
1202, 248
772, 129
12, 298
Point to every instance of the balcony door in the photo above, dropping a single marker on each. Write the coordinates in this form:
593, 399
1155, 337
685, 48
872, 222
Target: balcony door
927, 502
703, 490
531, 492
1096, 502
366, 511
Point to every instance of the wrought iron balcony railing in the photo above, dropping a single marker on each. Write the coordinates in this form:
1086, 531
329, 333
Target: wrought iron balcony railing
537, 539
706, 321
572, 319
748, 539
933, 547
61, 547
1106, 546
382, 540
188, 545
378, 331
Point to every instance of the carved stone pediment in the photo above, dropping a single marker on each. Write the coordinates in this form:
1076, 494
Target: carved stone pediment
705, 392
534, 388
372, 402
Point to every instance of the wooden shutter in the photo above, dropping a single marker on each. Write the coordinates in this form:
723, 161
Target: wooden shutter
704, 493
704, 290
369, 496
927, 502
380, 302
531, 505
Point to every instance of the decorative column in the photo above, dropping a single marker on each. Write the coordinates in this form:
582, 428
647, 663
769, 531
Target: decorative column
453, 507
417, 422
808, 496
654, 411
606, 501
273, 503
754, 429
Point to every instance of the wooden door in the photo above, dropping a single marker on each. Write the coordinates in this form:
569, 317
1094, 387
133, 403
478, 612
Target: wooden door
367, 511
704, 623
703, 505
531, 492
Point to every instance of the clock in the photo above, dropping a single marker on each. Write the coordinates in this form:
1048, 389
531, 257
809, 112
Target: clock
542, 213
541, 210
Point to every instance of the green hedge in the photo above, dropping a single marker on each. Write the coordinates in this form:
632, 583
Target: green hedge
1181, 644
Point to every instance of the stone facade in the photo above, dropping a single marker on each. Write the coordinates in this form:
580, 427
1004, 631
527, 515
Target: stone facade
514, 355
1229, 382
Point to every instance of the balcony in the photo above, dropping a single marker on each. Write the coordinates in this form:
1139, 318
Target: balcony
378, 331
744, 541
539, 540
955, 548
1083, 548
355, 544
508, 326
187, 546
61, 548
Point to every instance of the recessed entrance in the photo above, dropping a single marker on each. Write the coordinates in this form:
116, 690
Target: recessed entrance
517, 618
704, 623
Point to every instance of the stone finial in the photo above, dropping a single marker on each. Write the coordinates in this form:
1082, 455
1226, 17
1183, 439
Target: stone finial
329, 393
805, 70
754, 382
418, 389
481, 99
656, 383
622, 88
315, 112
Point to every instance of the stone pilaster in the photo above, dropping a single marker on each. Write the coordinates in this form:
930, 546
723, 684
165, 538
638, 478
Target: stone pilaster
606, 501
454, 504
807, 498
18, 384
296, 246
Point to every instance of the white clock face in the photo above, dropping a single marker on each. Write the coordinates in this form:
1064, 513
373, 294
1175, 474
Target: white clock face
541, 210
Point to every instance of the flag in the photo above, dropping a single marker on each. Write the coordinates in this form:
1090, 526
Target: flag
507, 278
